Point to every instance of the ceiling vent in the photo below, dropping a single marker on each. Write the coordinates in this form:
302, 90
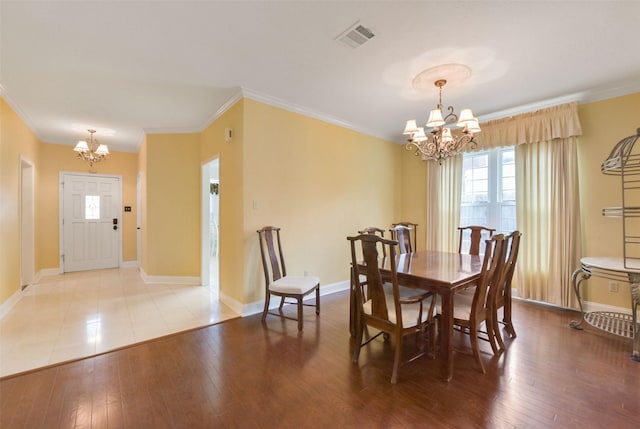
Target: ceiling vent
355, 36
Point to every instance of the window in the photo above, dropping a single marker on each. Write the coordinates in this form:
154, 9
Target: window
92, 207
489, 190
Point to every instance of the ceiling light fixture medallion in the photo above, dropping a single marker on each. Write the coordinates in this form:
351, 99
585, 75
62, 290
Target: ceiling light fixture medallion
92, 151
443, 143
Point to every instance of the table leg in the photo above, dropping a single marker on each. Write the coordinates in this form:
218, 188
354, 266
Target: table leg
635, 303
446, 336
576, 288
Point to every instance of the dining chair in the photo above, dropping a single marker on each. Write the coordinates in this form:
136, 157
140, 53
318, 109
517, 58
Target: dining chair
405, 292
414, 229
376, 231
402, 235
472, 310
385, 311
476, 235
503, 293
278, 283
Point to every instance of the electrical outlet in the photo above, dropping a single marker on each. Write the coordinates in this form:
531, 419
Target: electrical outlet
613, 287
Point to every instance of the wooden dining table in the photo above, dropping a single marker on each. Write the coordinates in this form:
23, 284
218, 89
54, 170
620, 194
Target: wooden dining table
444, 274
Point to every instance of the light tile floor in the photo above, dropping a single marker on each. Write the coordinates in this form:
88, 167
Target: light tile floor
75, 315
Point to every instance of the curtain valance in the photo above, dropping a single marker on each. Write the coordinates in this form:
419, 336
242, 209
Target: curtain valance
543, 125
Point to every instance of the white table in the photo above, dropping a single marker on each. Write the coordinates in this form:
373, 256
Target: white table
622, 324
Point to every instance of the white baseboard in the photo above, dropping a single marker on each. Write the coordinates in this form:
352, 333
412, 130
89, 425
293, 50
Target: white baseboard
169, 279
46, 272
596, 306
129, 264
257, 307
6, 306
232, 303
587, 305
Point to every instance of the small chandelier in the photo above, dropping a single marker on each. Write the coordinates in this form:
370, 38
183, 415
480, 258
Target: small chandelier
92, 152
443, 144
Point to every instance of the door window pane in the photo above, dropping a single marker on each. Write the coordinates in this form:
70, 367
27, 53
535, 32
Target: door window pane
92, 207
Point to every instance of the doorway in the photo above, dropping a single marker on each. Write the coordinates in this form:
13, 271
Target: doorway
211, 225
90, 230
27, 224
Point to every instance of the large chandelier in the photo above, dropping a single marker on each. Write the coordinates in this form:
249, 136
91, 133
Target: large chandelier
443, 143
91, 151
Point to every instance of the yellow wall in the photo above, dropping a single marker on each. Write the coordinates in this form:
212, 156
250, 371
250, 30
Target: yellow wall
142, 170
317, 181
414, 193
231, 262
172, 205
16, 141
61, 158
604, 124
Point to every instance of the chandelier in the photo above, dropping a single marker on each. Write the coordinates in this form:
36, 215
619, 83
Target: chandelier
92, 152
443, 143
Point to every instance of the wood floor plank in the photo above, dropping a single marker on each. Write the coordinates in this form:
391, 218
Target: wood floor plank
243, 373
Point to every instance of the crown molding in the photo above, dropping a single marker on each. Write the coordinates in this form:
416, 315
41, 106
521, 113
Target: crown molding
305, 111
582, 97
21, 114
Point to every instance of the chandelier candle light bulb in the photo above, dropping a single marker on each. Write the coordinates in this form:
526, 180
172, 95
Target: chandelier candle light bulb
444, 143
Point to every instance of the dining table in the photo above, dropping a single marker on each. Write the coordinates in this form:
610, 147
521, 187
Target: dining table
442, 273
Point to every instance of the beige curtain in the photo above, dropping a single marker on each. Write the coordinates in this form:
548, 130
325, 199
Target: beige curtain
443, 209
547, 198
548, 215
556, 122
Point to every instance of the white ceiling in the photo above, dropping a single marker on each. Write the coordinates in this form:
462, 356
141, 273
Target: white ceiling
170, 66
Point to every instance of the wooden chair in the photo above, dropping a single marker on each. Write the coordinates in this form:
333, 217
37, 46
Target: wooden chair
476, 236
405, 292
503, 294
387, 312
279, 283
471, 310
402, 234
376, 231
414, 228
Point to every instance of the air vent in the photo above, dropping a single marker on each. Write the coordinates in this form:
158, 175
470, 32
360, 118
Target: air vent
356, 35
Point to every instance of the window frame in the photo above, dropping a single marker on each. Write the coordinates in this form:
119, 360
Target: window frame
495, 192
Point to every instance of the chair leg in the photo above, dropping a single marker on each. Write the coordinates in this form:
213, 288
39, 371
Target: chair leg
491, 333
473, 334
318, 300
358, 341
299, 313
281, 303
496, 331
266, 306
506, 319
396, 359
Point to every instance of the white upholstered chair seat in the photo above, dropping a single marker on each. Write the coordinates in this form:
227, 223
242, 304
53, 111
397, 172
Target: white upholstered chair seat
294, 284
409, 312
462, 303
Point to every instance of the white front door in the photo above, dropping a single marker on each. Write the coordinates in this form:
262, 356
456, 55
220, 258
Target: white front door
91, 223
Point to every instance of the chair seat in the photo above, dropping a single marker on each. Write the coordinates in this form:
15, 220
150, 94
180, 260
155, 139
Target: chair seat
406, 292
462, 303
294, 284
409, 312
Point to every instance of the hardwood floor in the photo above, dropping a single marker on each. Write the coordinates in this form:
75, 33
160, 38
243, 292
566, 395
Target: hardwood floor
241, 374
